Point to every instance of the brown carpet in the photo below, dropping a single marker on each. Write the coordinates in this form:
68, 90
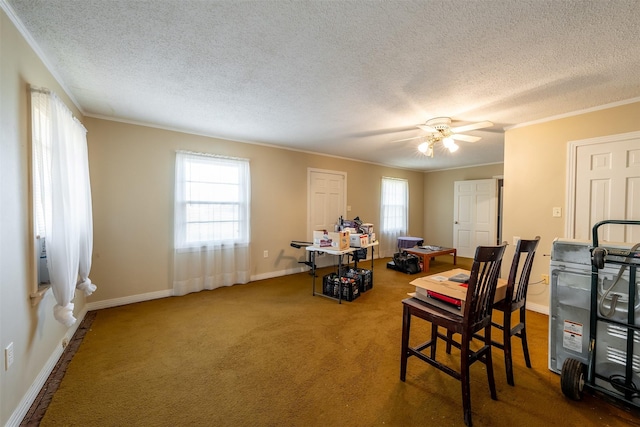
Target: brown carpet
270, 354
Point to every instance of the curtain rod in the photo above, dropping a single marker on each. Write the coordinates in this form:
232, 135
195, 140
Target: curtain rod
49, 92
218, 156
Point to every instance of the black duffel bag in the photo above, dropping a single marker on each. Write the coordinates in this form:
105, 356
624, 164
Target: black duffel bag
407, 263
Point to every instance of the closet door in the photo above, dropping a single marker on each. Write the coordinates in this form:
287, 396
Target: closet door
475, 210
606, 185
327, 201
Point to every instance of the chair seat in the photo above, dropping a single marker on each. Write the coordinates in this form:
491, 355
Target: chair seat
426, 311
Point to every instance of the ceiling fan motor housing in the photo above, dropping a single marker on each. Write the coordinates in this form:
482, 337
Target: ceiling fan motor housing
440, 123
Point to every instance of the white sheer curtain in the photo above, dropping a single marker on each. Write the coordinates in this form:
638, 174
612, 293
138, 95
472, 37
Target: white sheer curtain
394, 214
62, 196
211, 229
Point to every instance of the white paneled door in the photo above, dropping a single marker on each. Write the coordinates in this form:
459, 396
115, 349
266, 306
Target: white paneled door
327, 200
475, 210
607, 186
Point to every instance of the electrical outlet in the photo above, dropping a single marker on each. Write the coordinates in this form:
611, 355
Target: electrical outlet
65, 342
556, 212
266, 254
8, 356
545, 279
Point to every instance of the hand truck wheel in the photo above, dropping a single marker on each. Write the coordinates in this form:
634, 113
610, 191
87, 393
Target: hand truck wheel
572, 378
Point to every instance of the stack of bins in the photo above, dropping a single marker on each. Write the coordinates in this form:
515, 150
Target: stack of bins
331, 285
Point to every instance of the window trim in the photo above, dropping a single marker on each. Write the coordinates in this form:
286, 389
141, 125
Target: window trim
406, 206
181, 202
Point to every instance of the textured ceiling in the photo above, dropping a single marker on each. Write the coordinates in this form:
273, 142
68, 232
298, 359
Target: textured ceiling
339, 77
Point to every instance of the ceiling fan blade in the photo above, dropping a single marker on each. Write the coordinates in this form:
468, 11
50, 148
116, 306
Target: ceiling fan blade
472, 126
408, 139
377, 132
427, 128
466, 138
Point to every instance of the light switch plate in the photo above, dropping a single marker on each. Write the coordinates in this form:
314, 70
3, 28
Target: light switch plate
8, 356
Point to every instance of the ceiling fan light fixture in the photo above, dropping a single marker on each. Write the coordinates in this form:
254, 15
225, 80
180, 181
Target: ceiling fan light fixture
448, 143
426, 148
453, 147
429, 151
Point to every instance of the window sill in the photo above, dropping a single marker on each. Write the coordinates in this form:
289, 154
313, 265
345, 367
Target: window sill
37, 296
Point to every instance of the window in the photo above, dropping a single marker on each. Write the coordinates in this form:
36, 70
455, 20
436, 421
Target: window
394, 201
62, 215
41, 161
212, 200
394, 213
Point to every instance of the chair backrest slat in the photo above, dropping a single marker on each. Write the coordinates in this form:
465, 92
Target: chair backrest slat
519, 275
482, 284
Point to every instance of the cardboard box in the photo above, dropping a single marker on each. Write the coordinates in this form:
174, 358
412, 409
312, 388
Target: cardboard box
328, 239
367, 228
439, 283
358, 240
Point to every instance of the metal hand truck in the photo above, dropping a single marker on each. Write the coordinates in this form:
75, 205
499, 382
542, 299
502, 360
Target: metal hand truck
614, 332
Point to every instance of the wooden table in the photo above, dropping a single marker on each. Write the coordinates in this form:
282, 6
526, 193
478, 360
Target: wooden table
426, 254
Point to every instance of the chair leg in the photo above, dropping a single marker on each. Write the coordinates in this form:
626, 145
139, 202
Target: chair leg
506, 343
489, 363
523, 336
406, 326
449, 339
464, 380
434, 340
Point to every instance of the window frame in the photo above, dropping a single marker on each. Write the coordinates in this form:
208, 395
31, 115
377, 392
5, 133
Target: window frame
188, 203
404, 206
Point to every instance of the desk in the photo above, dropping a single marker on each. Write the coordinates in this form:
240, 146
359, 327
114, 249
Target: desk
425, 255
313, 250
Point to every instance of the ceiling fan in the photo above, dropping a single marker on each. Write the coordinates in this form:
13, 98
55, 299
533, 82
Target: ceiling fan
440, 130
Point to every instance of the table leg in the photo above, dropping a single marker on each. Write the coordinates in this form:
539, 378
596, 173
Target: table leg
426, 259
313, 273
339, 279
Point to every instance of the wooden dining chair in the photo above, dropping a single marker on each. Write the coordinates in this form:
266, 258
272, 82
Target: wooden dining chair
472, 318
515, 300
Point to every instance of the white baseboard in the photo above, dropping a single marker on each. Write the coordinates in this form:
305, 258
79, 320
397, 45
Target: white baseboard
539, 308
129, 300
280, 273
32, 393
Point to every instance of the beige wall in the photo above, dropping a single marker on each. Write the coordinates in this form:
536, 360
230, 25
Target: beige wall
35, 335
438, 200
535, 174
132, 173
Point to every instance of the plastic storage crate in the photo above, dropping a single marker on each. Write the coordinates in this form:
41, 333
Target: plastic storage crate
364, 276
331, 285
